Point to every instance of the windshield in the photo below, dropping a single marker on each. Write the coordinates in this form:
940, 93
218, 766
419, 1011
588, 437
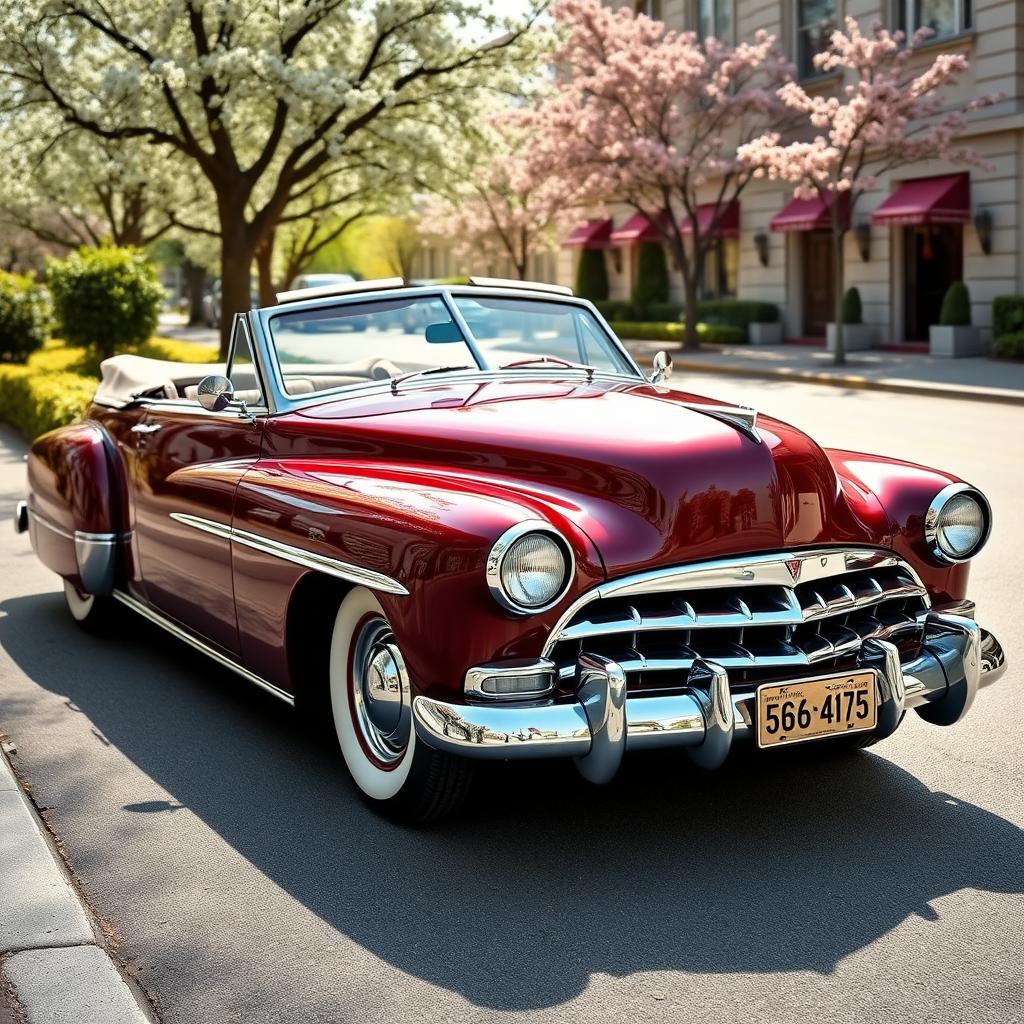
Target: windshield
352, 343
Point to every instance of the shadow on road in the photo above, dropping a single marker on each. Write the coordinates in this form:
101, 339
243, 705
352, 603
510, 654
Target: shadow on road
544, 882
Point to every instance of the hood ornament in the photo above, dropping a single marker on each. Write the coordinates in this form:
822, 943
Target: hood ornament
743, 418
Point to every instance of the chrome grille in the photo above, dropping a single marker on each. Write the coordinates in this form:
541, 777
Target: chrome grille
750, 616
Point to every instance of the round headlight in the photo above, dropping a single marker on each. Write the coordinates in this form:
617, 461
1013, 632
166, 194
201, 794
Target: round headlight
957, 523
528, 569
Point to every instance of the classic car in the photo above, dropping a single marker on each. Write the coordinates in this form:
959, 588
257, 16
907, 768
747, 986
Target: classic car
455, 547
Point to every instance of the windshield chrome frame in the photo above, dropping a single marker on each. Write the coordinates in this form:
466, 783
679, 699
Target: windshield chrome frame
265, 351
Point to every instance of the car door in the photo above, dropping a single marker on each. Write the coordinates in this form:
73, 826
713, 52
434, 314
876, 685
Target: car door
188, 464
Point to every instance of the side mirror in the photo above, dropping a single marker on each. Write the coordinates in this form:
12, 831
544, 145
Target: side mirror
662, 364
215, 393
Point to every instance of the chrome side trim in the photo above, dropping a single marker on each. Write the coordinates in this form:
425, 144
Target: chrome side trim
40, 520
299, 556
931, 518
94, 554
182, 634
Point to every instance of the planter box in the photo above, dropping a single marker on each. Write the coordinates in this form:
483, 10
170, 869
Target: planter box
765, 333
956, 341
856, 337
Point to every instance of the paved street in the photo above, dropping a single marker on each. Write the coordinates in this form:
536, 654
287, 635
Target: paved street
248, 883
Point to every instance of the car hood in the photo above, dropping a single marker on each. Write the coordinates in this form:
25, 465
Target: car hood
651, 480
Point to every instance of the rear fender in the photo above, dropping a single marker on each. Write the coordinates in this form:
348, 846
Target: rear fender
74, 524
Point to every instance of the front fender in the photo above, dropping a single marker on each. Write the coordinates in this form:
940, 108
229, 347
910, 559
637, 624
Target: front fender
892, 497
428, 531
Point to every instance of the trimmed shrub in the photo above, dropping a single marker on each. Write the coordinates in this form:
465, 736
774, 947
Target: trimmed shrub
105, 299
651, 277
852, 311
592, 275
664, 311
616, 309
956, 306
25, 316
1007, 314
1010, 346
737, 312
645, 330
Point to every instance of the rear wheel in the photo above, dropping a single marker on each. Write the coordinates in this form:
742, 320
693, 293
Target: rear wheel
371, 703
92, 613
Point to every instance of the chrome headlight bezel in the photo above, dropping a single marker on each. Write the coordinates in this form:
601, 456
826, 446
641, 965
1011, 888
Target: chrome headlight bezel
499, 551
932, 522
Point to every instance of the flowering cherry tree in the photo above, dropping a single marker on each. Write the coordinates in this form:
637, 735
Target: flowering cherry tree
506, 203
891, 114
260, 98
651, 118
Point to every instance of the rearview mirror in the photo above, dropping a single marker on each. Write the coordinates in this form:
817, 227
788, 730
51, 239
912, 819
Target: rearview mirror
443, 333
215, 393
662, 364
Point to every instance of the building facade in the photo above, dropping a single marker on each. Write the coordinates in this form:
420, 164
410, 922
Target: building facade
919, 230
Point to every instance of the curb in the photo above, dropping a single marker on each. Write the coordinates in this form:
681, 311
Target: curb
51, 961
851, 381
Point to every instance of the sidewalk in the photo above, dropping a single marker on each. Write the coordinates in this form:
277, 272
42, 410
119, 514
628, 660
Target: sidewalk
982, 380
52, 968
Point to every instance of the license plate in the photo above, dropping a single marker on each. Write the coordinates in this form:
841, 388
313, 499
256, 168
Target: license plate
811, 709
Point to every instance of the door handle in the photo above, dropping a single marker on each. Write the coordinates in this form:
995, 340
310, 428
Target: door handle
146, 428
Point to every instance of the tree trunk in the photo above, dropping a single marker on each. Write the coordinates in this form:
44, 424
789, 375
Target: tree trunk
691, 340
236, 256
837, 250
265, 271
195, 285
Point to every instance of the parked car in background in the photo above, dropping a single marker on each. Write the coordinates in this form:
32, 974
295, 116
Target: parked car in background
457, 547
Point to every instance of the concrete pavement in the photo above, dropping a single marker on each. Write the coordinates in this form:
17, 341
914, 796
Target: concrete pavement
55, 971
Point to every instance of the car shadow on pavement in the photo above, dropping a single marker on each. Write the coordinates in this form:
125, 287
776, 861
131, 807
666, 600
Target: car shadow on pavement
543, 882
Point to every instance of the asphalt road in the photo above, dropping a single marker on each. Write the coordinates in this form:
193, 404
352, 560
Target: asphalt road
248, 883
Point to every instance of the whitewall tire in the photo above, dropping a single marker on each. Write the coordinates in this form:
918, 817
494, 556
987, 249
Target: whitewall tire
89, 611
371, 703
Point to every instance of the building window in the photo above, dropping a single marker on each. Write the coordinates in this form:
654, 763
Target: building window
714, 18
943, 17
815, 23
652, 8
721, 267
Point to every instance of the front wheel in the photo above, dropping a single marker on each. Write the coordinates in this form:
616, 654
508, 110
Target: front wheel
92, 613
371, 702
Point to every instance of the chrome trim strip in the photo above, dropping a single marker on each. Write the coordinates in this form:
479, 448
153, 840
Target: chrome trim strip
182, 634
754, 570
500, 550
43, 521
299, 556
931, 517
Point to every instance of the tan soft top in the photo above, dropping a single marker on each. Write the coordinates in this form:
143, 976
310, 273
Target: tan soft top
126, 378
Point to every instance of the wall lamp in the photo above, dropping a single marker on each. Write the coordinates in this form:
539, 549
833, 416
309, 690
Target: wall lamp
862, 233
761, 247
983, 225
616, 254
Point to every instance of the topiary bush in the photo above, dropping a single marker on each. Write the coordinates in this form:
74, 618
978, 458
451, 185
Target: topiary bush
852, 311
105, 299
25, 316
1007, 314
616, 309
956, 306
592, 275
651, 277
1010, 346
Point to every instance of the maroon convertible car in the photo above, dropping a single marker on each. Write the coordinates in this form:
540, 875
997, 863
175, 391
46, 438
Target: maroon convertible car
462, 523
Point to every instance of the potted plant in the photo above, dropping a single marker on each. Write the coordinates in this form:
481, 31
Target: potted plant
857, 335
766, 327
954, 335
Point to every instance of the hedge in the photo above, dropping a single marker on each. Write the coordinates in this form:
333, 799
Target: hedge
643, 330
53, 387
1007, 314
592, 275
651, 285
25, 316
738, 312
1010, 346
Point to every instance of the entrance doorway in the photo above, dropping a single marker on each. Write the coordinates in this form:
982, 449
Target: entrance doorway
819, 282
933, 260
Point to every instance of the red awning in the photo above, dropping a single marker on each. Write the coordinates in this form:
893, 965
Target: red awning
595, 234
942, 200
811, 214
727, 225
639, 228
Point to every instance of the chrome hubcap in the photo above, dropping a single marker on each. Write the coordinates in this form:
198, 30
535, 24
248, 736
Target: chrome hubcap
380, 692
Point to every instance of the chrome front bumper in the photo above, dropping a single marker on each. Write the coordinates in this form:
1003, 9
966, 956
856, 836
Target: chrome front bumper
958, 658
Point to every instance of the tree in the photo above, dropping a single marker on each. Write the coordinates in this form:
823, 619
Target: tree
505, 203
651, 118
263, 99
892, 115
